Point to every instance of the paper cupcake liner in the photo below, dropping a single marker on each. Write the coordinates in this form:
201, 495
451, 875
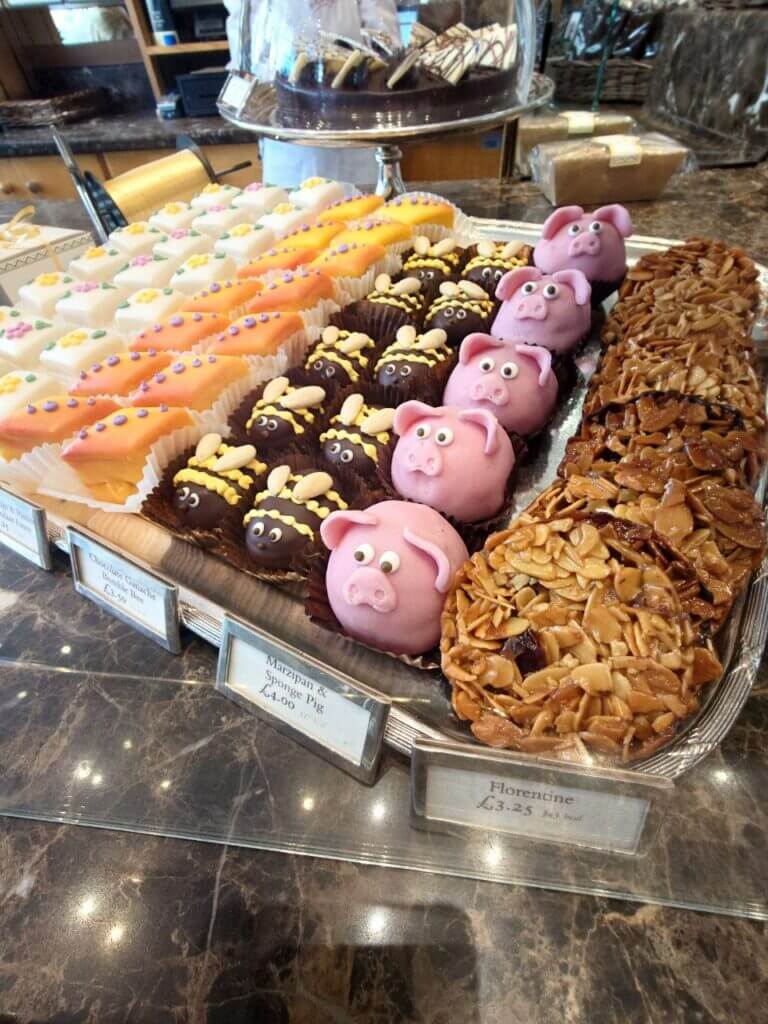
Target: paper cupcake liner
162, 452
602, 289
354, 288
42, 463
318, 609
230, 545
261, 369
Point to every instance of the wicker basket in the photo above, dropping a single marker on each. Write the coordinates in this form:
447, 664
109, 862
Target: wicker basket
625, 81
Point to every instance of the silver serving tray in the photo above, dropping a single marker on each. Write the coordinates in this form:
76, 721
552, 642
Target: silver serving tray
420, 701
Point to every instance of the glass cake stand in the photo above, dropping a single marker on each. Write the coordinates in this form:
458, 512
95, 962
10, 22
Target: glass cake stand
253, 105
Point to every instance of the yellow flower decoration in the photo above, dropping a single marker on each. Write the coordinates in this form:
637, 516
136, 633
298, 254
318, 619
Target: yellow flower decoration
172, 208
284, 208
95, 253
46, 280
148, 295
9, 384
73, 339
135, 229
240, 230
201, 260
213, 188
313, 182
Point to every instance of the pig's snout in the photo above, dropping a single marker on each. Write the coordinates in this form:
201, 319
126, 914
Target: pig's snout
425, 458
490, 389
371, 587
531, 307
586, 243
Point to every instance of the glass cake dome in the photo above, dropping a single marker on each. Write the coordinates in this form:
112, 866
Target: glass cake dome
378, 68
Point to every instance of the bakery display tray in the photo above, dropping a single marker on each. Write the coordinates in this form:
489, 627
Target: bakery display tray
208, 589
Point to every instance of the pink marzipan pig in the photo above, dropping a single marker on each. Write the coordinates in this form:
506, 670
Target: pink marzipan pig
457, 461
538, 309
590, 242
389, 571
514, 382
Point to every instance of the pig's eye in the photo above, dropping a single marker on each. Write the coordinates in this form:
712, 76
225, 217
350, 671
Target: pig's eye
595, 227
574, 229
509, 371
194, 500
258, 529
335, 448
487, 365
423, 430
347, 455
183, 494
275, 535
551, 291
389, 562
364, 554
528, 288
444, 436
461, 314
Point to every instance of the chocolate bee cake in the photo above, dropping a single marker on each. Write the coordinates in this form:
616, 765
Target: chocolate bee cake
415, 364
488, 262
357, 435
284, 413
215, 480
341, 357
460, 309
389, 306
433, 263
282, 529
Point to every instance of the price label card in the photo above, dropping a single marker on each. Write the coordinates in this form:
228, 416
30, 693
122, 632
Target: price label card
474, 788
130, 592
22, 529
322, 709
236, 92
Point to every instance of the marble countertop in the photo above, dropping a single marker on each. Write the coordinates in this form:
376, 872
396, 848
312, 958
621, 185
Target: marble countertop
123, 132
100, 926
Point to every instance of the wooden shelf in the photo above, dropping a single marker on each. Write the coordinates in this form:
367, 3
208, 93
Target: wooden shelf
215, 46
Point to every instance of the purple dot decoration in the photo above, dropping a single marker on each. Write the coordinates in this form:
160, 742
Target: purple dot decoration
100, 426
163, 407
31, 409
197, 317
178, 367
343, 247
211, 359
134, 356
215, 287
263, 318
176, 321
91, 401
142, 414
50, 405
250, 321
197, 362
71, 403
234, 329
82, 434
120, 420
159, 377
113, 360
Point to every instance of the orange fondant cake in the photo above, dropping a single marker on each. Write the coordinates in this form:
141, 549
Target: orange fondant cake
419, 208
351, 209
374, 232
258, 335
109, 456
226, 297
180, 332
316, 237
194, 382
294, 291
49, 421
120, 373
277, 259
348, 259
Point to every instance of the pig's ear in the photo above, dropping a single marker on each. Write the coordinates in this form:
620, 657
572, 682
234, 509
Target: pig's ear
333, 528
407, 414
541, 356
488, 422
438, 556
582, 289
515, 279
559, 219
476, 343
618, 216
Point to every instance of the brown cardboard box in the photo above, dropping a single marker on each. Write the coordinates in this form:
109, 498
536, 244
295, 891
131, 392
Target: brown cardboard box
565, 124
607, 169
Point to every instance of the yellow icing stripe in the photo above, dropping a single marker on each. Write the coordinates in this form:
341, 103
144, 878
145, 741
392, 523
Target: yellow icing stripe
281, 414
493, 261
430, 357
408, 303
281, 517
342, 435
210, 483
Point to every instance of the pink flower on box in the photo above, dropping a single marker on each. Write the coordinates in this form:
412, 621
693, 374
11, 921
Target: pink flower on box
141, 261
217, 208
85, 286
255, 186
179, 233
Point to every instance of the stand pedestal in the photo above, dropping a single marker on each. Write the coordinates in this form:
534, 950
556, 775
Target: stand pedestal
390, 178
